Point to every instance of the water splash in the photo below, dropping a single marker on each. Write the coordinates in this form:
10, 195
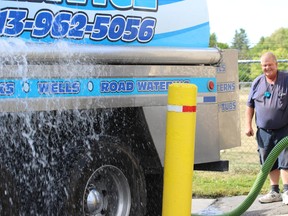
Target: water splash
39, 150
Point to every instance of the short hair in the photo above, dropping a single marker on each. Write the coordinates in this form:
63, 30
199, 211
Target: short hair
269, 55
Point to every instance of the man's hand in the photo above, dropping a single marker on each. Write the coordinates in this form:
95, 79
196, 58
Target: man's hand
249, 132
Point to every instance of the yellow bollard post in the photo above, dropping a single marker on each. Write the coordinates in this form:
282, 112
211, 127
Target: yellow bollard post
179, 152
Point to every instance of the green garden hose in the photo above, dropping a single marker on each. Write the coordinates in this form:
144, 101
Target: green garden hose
260, 180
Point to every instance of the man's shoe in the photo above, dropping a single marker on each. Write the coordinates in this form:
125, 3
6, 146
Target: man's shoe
272, 196
285, 197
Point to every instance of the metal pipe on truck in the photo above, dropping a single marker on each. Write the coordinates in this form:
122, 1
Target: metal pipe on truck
113, 54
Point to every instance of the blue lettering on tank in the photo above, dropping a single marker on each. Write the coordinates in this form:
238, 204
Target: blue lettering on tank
99, 2
104, 86
58, 87
130, 86
76, 1
95, 87
150, 86
43, 87
227, 106
141, 85
121, 3
226, 87
150, 5
156, 86
221, 68
121, 86
113, 87
7, 88
126, 4
54, 88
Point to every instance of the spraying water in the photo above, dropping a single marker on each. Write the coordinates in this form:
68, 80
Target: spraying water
40, 148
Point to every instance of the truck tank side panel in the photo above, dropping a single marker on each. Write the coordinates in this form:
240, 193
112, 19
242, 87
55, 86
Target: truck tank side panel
228, 101
217, 124
134, 23
207, 117
206, 140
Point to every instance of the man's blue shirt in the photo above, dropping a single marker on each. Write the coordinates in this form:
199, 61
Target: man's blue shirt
270, 101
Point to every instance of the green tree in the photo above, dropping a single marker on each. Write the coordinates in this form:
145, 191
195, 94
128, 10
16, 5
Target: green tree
276, 43
222, 45
240, 40
241, 43
213, 40
277, 40
214, 43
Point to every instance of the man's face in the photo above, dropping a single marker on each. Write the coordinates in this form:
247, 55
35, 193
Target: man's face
269, 67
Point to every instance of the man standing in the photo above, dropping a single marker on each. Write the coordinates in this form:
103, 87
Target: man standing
268, 99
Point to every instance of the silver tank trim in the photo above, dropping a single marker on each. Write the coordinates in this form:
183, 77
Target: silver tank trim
40, 52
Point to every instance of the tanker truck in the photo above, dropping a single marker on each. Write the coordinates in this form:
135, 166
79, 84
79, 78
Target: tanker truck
83, 102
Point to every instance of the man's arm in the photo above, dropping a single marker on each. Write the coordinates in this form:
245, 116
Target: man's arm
249, 116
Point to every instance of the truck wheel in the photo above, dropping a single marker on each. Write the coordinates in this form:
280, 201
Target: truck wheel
9, 203
108, 182
107, 190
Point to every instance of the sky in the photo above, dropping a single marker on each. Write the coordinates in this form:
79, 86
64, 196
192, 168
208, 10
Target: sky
257, 17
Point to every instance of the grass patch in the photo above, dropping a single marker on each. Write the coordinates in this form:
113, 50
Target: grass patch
235, 182
221, 184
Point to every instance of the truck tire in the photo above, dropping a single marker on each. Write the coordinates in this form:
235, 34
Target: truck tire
107, 181
9, 203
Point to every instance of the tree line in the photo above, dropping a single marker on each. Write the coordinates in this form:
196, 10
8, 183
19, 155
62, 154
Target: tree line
277, 42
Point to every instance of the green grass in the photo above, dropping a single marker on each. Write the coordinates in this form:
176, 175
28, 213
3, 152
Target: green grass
216, 184
237, 181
